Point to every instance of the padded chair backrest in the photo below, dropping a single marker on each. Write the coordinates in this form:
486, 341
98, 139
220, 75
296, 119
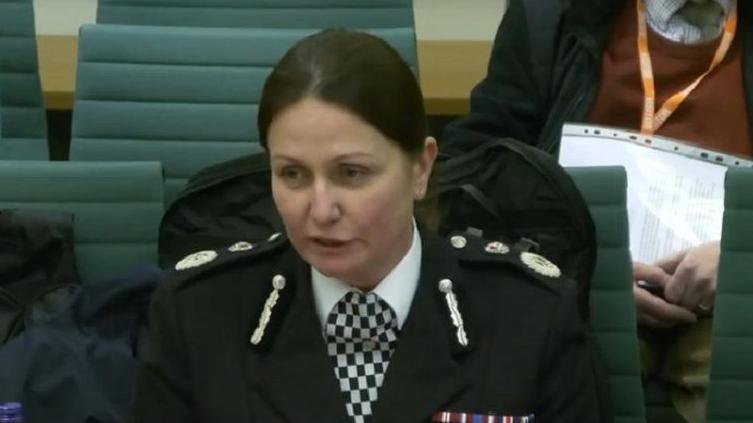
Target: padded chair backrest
1, 117
730, 397
24, 122
612, 305
259, 13
117, 207
187, 97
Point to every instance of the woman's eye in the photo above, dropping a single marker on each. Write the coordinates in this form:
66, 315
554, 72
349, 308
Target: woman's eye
292, 176
354, 173
290, 173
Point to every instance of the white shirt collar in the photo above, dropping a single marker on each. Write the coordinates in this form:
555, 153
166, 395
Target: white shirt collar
397, 288
663, 18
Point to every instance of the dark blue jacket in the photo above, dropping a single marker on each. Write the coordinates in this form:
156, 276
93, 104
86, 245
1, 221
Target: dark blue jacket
78, 365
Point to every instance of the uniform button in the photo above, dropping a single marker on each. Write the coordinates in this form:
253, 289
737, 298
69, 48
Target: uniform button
241, 246
369, 345
458, 241
278, 282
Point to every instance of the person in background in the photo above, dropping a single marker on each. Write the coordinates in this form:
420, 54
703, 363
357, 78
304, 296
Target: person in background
632, 64
357, 313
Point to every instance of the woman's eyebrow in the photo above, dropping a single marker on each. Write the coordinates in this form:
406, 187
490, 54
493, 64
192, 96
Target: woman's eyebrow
353, 155
284, 157
339, 157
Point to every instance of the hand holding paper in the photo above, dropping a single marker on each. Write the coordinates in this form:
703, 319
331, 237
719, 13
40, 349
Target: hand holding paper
692, 284
675, 203
652, 310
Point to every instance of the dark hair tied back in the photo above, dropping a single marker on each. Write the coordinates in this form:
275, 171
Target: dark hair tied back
353, 70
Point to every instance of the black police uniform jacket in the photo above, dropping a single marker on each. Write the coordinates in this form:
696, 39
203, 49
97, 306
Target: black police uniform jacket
527, 352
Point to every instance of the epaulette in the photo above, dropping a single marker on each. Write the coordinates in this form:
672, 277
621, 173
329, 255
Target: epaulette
194, 265
473, 249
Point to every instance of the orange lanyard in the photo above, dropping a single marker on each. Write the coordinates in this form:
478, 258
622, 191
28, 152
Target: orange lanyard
652, 120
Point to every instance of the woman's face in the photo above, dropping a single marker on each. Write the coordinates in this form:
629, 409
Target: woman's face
344, 190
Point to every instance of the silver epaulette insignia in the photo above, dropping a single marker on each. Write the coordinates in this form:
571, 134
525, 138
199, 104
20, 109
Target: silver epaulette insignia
196, 259
445, 286
496, 247
278, 284
540, 265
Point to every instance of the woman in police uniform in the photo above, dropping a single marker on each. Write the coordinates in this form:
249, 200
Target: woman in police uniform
356, 314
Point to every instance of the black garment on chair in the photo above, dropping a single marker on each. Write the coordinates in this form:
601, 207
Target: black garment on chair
224, 203
38, 272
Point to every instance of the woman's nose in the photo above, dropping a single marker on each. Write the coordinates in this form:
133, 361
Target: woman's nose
325, 208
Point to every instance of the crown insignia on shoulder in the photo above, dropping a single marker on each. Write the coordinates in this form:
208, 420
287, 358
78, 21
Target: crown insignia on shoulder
496, 247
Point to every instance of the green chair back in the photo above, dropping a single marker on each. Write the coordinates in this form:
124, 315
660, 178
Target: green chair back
312, 14
23, 118
187, 97
117, 207
730, 396
612, 305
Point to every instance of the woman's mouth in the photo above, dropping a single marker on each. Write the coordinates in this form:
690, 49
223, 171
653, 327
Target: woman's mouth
329, 243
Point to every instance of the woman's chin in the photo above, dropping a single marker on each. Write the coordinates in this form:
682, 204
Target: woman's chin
341, 270
333, 270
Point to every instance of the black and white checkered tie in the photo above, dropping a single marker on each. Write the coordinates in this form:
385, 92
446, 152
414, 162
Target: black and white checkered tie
361, 334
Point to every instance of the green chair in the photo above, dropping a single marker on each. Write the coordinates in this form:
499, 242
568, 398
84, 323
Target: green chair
612, 305
259, 13
24, 122
187, 97
117, 207
1, 119
730, 397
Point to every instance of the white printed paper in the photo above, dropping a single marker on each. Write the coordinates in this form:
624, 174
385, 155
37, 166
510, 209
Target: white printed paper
673, 201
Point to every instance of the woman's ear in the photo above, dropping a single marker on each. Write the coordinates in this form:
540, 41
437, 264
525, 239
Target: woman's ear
423, 166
